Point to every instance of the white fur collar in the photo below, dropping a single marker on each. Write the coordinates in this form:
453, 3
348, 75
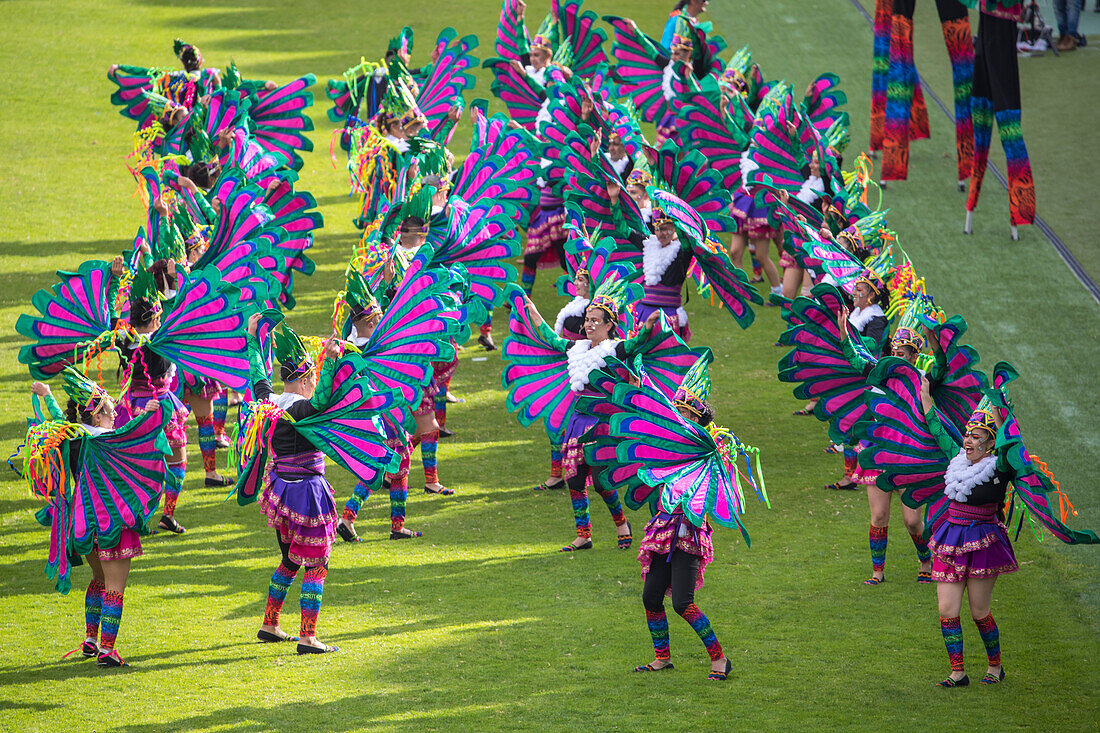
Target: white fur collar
620, 165
286, 399
93, 430
962, 476
860, 317
356, 339
647, 212
584, 359
401, 145
575, 307
657, 258
666, 82
812, 187
747, 165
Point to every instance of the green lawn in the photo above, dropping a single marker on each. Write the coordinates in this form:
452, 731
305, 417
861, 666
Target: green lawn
480, 624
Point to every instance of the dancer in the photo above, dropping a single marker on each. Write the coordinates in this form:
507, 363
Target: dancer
117, 477
650, 437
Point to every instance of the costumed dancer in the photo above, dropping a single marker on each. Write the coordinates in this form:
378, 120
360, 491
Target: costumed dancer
972, 487
397, 344
547, 373
671, 455
322, 410
102, 485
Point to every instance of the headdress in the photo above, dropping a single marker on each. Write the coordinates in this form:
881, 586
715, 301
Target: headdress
84, 391
179, 46
660, 216
288, 349
983, 417
545, 36
838, 135
877, 270
736, 70
418, 206
431, 160
360, 300
144, 288
867, 233
694, 390
910, 330
640, 174
399, 105
613, 294
403, 41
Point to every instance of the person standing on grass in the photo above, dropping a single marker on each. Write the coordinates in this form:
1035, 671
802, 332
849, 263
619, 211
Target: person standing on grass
965, 484
101, 516
673, 456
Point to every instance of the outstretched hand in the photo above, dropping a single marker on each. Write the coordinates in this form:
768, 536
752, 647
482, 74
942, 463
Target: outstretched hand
254, 324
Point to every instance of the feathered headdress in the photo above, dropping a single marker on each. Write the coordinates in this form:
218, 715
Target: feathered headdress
614, 294
736, 72
983, 417
359, 299
179, 46
144, 288
85, 392
640, 174
546, 35
694, 390
432, 162
910, 330
418, 207
288, 349
399, 105
867, 233
878, 270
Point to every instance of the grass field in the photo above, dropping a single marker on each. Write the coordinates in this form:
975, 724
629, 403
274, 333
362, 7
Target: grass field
480, 624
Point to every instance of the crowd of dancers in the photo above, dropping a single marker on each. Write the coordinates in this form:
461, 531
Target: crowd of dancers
196, 312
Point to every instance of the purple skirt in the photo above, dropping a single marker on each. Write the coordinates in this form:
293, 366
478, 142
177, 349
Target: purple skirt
303, 511
133, 403
643, 310
964, 547
752, 220
546, 228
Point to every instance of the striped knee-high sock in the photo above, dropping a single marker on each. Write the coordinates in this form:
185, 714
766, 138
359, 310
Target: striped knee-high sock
440, 407
1021, 186
207, 442
221, 408
658, 630
880, 69
991, 637
555, 460
110, 619
313, 588
172, 487
878, 547
953, 639
960, 49
701, 626
399, 496
276, 592
611, 498
923, 553
527, 279
981, 118
580, 512
93, 608
358, 495
428, 445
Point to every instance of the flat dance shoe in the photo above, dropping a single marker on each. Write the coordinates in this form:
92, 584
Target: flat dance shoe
266, 637
875, 581
111, 659
721, 676
650, 668
404, 535
924, 576
307, 649
347, 534
992, 679
219, 481
625, 540
587, 545
444, 491
549, 487
961, 682
170, 524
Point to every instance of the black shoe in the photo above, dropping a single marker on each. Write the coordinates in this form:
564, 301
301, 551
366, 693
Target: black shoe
445, 433
307, 649
721, 676
89, 649
404, 535
170, 524
266, 637
587, 545
220, 481
961, 682
347, 534
487, 342
110, 659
